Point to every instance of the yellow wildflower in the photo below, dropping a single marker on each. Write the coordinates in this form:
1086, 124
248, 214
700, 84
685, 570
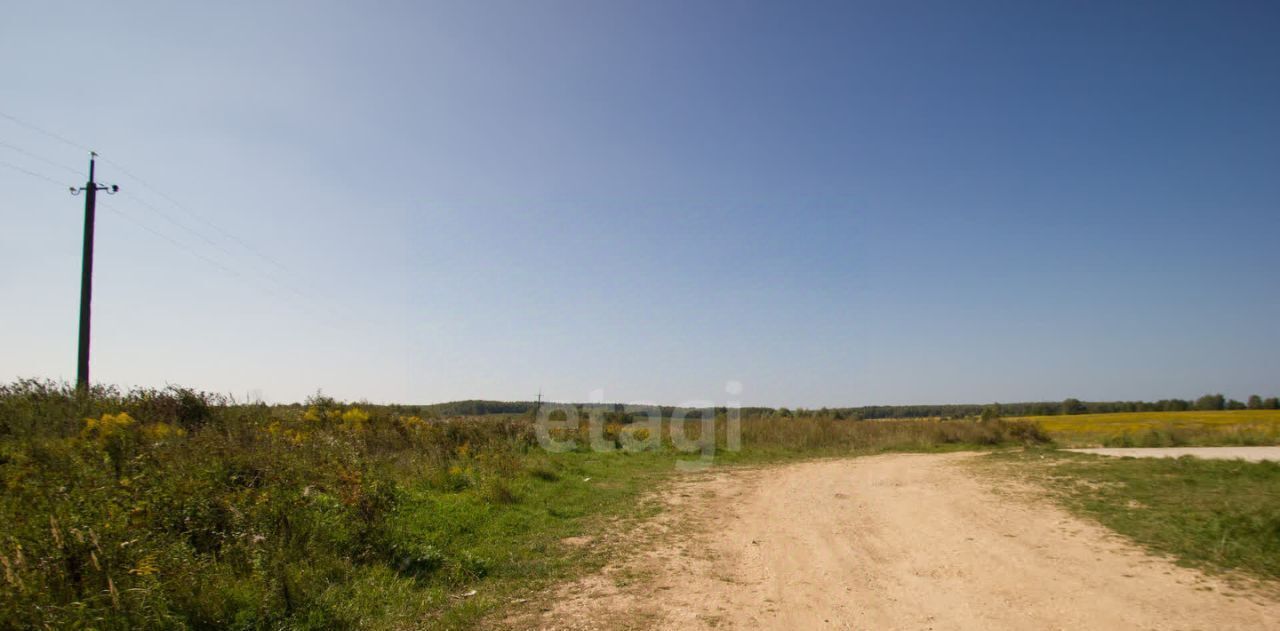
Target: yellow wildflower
162, 431
355, 419
413, 422
146, 566
107, 426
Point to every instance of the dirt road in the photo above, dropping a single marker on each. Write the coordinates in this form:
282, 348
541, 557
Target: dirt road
1252, 454
887, 542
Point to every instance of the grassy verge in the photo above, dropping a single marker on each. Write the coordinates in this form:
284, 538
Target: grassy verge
519, 539
1214, 514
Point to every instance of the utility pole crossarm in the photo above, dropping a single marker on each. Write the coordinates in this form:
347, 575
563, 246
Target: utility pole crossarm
90, 189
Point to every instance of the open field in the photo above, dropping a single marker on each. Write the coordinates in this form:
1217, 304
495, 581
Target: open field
172, 509
895, 541
1164, 429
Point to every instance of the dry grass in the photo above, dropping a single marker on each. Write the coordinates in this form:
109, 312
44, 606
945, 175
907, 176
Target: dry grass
821, 435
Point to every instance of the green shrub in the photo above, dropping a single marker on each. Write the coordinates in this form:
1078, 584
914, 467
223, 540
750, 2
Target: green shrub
174, 508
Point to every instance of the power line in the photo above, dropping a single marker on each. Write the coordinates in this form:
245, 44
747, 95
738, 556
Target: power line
244, 245
168, 217
130, 218
331, 320
280, 283
179, 224
176, 243
247, 247
50, 134
33, 156
199, 235
232, 271
33, 174
215, 263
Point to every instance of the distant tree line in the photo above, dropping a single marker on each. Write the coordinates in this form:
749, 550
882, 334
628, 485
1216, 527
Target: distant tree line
1067, 406
623, 413
471, 407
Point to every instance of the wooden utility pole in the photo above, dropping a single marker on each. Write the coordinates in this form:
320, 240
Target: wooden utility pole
86, 271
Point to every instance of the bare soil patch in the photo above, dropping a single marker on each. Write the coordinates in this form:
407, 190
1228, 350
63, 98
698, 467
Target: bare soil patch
1252, 454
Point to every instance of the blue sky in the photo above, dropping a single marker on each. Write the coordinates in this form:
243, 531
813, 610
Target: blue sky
831, 203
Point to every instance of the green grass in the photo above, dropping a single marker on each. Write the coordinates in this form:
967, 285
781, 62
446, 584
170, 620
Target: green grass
1214, 514
518, 543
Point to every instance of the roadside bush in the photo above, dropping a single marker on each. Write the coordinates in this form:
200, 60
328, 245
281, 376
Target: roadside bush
174, 508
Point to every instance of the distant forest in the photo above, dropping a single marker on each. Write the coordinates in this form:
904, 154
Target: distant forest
1035, 408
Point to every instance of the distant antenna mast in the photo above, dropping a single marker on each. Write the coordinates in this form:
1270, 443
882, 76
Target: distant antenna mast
86, 271
537, 409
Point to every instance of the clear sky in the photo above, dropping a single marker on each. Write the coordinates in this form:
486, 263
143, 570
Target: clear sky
831, 203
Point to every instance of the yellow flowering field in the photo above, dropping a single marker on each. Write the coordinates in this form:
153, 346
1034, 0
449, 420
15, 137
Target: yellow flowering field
1232, 427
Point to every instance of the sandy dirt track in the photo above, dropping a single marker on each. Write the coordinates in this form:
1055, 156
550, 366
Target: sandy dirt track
903, 541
